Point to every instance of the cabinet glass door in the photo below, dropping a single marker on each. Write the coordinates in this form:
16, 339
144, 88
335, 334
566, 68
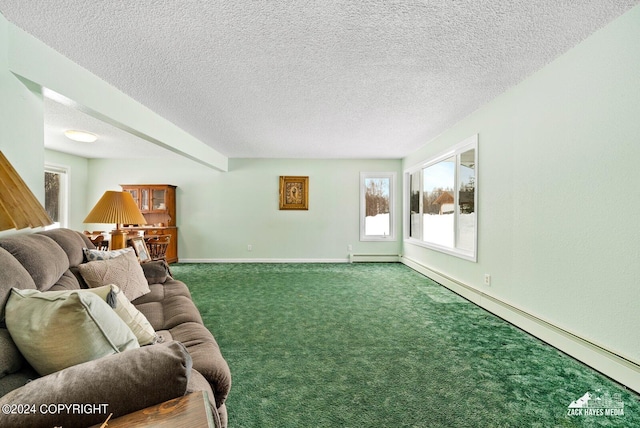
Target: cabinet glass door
144, 199
135, 195
159, 202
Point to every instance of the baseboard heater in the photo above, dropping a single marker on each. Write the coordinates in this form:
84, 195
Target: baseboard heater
618, 367
360, 258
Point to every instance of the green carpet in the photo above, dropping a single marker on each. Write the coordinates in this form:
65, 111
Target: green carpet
379, 345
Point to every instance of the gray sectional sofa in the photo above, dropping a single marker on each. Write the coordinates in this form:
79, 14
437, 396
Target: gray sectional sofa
121, 376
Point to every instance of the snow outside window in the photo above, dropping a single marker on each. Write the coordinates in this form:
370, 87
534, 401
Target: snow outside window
376, 206
441, 201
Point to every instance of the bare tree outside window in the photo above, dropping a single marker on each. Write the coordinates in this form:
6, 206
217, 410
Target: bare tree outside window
52, 195
377, 196
56, 194
376, 206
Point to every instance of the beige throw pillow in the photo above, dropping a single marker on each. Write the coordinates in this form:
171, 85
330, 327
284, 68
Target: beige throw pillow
124, 271
135, 319
56, 330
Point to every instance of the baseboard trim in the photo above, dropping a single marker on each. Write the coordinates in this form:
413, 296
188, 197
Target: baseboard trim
264, 260
369, 258
616, 367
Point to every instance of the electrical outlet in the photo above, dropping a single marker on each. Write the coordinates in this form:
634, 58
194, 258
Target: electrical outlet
487, 279
350, 248
249, 247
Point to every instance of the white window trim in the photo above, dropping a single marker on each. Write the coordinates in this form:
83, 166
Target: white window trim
463, 146
65, 173
392, 176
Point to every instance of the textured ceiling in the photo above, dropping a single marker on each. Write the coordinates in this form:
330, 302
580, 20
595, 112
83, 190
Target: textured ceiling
313, 79
113, 142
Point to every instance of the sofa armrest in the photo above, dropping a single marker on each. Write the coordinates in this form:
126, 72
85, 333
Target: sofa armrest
87, 393
156, 272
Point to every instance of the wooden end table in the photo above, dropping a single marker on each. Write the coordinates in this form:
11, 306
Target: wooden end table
189, 411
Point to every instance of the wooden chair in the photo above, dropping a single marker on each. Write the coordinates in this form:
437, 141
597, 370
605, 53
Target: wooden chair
97, 240
157, 245
100, 243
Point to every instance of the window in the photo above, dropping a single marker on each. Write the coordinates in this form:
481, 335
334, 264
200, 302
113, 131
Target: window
56, 194
442, 200
376, 206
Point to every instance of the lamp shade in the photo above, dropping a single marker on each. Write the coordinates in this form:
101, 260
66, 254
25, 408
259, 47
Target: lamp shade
116, 207
19, 208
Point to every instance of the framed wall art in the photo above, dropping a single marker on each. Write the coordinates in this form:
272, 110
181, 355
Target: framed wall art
294, 193
140, 247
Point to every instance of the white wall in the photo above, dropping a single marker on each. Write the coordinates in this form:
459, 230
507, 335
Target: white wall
21, 123
220, 214
22, 135
558, 192
22, 127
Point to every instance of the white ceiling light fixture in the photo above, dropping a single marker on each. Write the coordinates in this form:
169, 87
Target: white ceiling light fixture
82, 136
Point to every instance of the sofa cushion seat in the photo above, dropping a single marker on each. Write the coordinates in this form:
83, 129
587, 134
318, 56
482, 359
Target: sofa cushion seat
169, 288
11, 359
167, 305
17, 379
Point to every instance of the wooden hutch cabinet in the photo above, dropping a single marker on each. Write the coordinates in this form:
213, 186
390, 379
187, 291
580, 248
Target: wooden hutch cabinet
157, 202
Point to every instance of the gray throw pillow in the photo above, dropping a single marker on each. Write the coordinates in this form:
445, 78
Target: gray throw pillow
93, 255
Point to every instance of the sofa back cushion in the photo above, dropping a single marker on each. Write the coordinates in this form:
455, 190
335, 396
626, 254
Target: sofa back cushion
12, 274
45, 260
71, 242
68, 281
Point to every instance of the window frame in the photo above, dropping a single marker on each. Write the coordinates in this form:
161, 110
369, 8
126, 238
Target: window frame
64, 172
392, 177
470, 143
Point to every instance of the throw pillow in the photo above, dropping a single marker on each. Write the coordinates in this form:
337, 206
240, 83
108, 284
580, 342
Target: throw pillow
93, 255
123, 271
135, 319
156, 271
56, 330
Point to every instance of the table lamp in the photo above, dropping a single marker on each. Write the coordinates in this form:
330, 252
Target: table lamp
119, 208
